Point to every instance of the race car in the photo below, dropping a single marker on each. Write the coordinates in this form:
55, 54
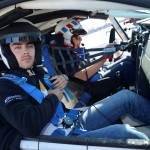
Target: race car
46, 14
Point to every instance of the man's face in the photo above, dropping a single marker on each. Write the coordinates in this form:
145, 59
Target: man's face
76, 40
24, 53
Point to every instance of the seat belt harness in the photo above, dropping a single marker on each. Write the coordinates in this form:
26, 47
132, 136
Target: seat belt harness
60, 119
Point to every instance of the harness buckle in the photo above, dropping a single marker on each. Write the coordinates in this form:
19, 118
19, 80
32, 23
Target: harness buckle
67, 122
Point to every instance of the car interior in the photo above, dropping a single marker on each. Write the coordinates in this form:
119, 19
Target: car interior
45, 15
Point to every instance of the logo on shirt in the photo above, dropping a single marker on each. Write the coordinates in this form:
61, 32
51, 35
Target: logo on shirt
11, 98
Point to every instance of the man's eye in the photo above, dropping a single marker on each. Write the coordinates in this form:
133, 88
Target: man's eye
30, 46
18, 47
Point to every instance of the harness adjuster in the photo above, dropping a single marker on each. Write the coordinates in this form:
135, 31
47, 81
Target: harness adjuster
22, 80
67, 122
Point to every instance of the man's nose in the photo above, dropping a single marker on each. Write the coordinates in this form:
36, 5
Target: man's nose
25, 50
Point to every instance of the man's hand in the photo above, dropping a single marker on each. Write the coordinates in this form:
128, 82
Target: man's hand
59, 81
57, 92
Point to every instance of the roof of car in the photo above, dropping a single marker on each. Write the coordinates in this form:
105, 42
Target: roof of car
46, 14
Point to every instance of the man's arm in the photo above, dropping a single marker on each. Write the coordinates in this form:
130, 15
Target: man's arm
87, 73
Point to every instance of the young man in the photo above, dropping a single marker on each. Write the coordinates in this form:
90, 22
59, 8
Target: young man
29, 101
17, 107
